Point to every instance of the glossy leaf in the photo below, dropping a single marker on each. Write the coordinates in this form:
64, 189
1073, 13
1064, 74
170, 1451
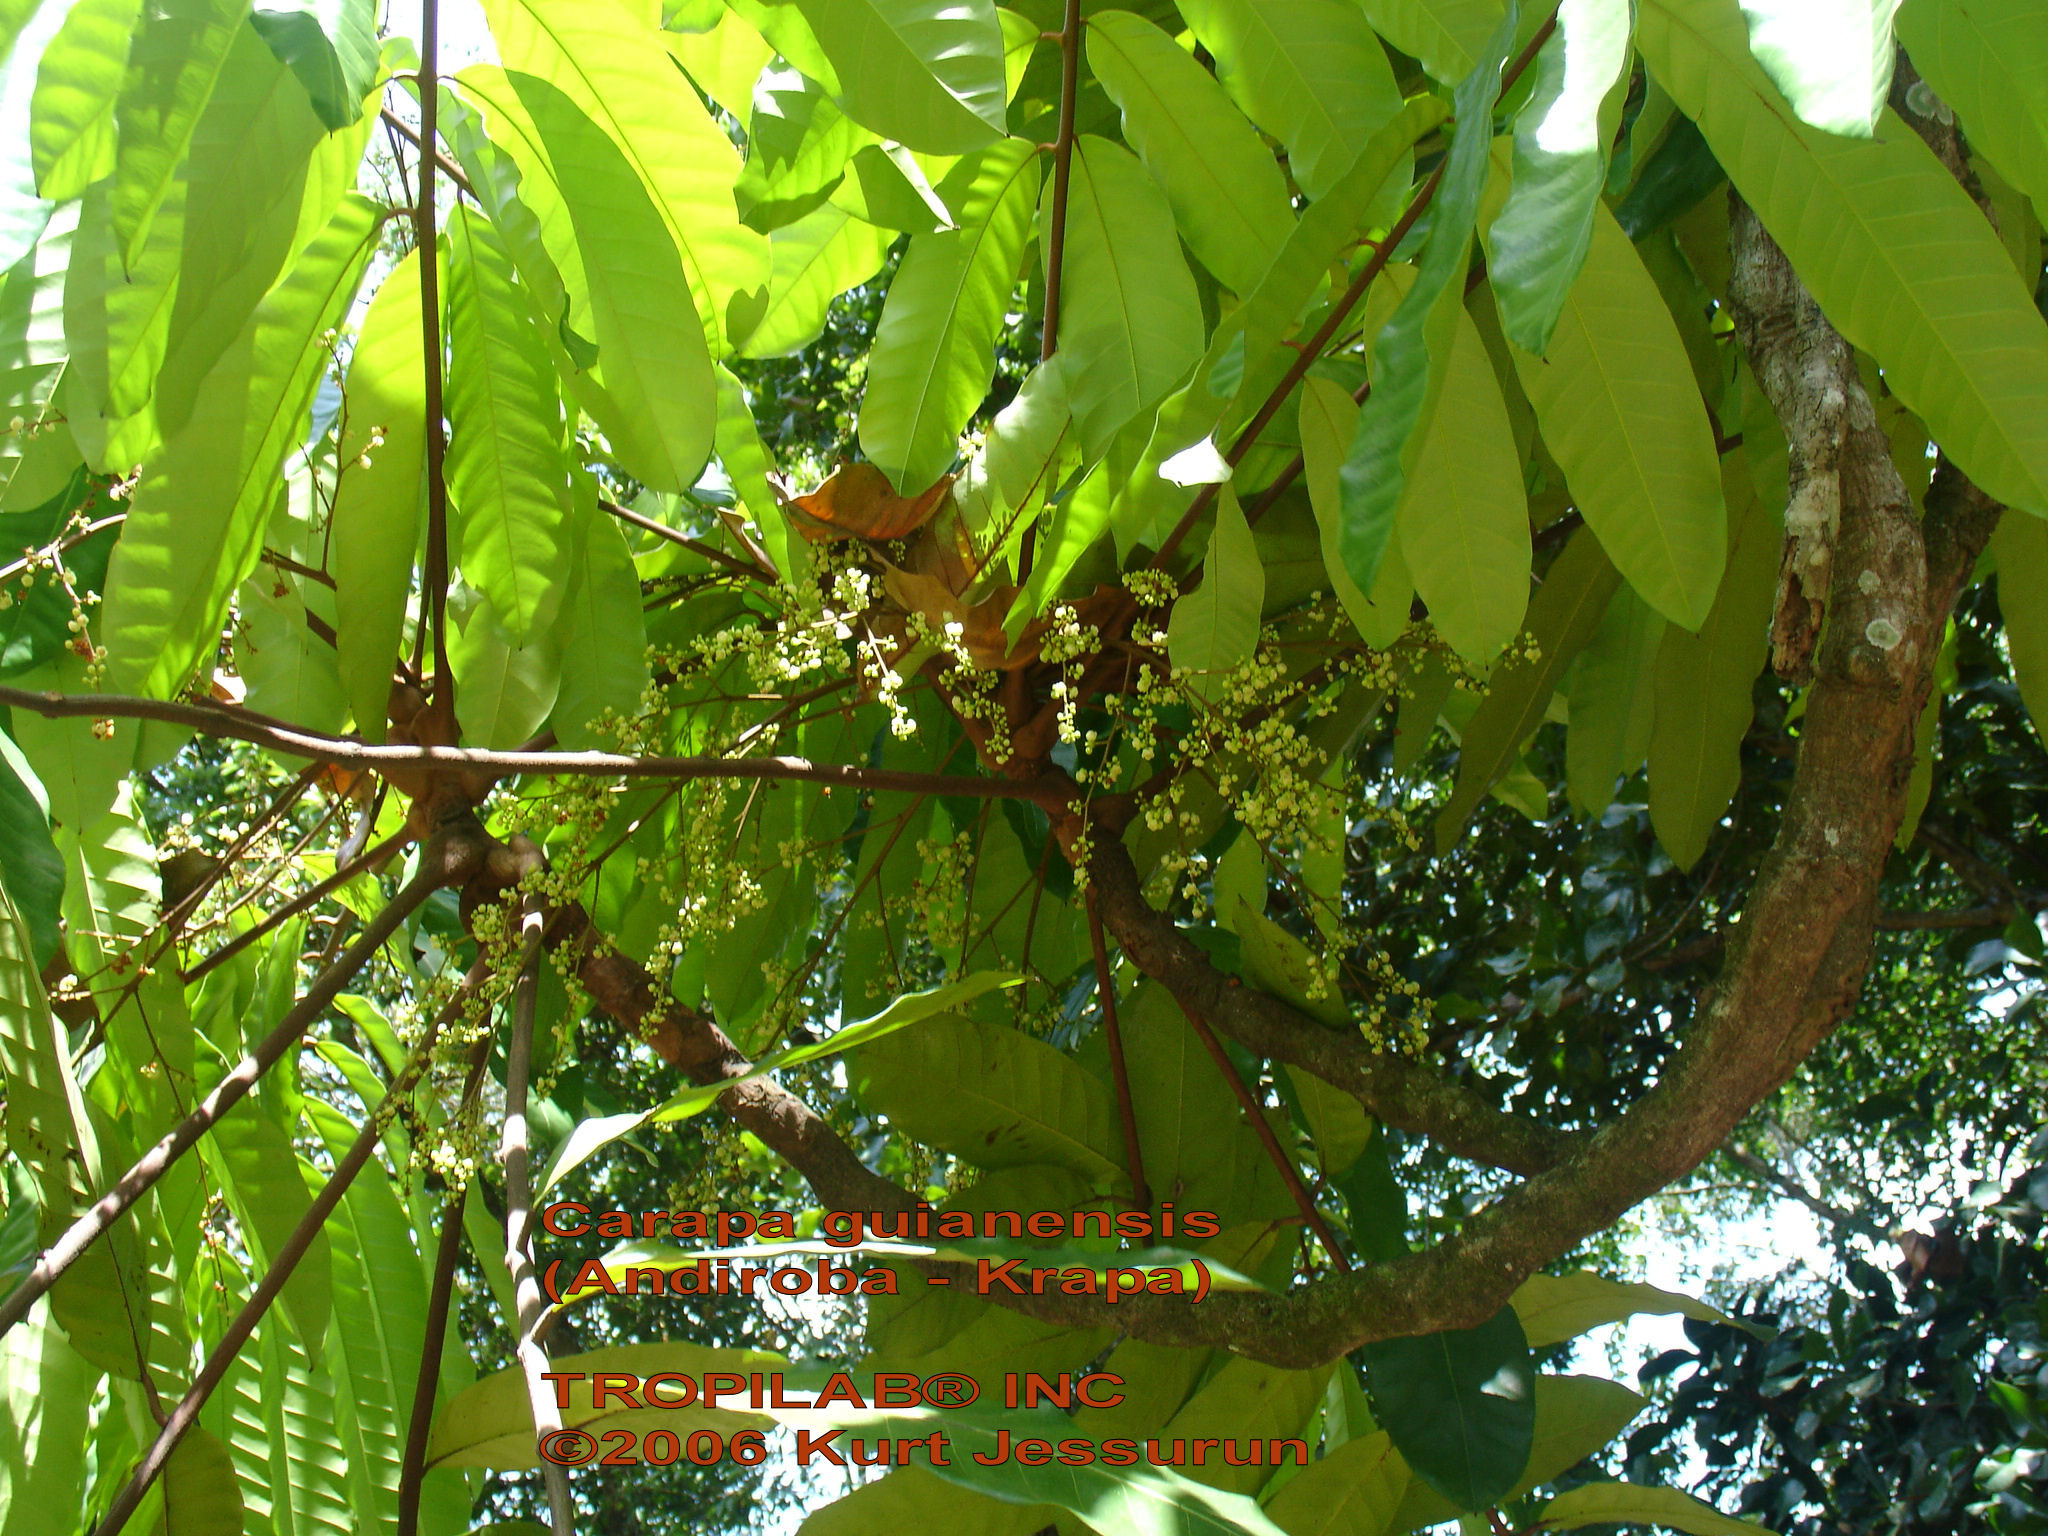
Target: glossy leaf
1554, 1308
1563, 619
652, 389
1329, 417
507, 470
196, 522
1221, 181
1988, 60
927, 73
813, 261
1460, 1406
1536, 245
1130, 323
1618, 407
934, 353
379, 504
1610, 1503
72, 112
1310, 72
1832, 59
1704, 680
1884, 238
1354, 1488
609, 65
1216, 627
1409, 355
331, 46
1447, 36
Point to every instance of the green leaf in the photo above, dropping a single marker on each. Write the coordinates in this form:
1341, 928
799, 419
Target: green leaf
1612, 698
1329, 418
378, 504
1221, 181
37, 460
200, 1494
1538, 241
506, 688
46, 1394
267, 1189
45, 1114
1248, 1400
1216, 627
23, 214
1463, 522
1988, 59
31, 870
1832, 59
1352, 1491
117, 325
1130, 324
912, 1497
1460, 1406
196, 519
1703, 682
175, 58
926, 73
1563, 619
1889, 245
992, 1095
1337, 1122
934, 352
724, 60
35, 627
652, 389
331, 45
2020, 545
1575, 1416
250, 172
507, 467
1607, 1503
1277, 962
1408, 357
610, 65
1309, 72
603, 637
72, 113
814, 260
1554, 1308
1447, 37
798, 146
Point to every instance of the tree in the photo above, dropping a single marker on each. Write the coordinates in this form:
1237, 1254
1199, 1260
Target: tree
1019, 805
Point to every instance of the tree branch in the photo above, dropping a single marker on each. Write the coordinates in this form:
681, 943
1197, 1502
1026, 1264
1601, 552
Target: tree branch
436, 576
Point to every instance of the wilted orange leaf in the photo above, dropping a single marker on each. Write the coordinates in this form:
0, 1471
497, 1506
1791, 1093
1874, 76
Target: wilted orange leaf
857, 501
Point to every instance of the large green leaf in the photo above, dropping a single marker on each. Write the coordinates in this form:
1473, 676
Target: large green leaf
506, 687
934, 352
814, 260
1225, 190
1890, 246
23, 214
199, 1492
612, 66
280, 1425
1562, 620
331, 46
1410, 353
1463, 522
1446, 36
2021, 549
266, 1187
1832, 59
46, 1393
72, 129
798, 146
1554, 1308
1310, 72
36, 459
1536, 244
912, 1497
1216, 627
1618, 407
1988, 59
1611, 1503
927, 73
197, 517
45, 1115
1130, 324
992, 1095
31, 869
1704, 681
248, 175
379, 496
652, 389
603, 636
1329, 417
1248, 1400
1612, 701
173, 63
508, 472
117, 324
1460, 1406
1352, 1491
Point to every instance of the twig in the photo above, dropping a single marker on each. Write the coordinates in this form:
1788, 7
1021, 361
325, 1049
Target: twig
69, 541
305, 901
267, 1290
1105, 987
148, 1168
516, 1155
1289, 1174
430, 334
710, 552
448, 167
